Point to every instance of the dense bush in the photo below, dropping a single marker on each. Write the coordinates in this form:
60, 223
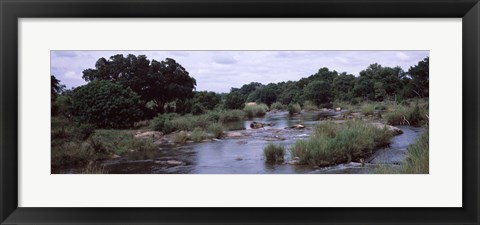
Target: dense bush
294, 108
278, 106
106, 104
234, 100
256, 110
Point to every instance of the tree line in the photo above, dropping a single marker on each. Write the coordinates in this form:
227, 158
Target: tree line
126, 89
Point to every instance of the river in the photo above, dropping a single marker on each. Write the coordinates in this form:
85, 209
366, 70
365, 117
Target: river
244, 154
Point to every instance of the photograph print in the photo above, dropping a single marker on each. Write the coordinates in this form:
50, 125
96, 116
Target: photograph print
240, 112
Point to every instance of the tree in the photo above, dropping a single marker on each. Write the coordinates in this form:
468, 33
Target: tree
234, 100
206, 99
319, 92
160, 82
106, 104
343, 86
420, 78
56, 87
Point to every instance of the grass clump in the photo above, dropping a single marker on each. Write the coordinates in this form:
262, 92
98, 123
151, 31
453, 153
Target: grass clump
327, 128
368, 109
294, 109
403, 115
309, 106
231, 116
198, 135
278, 106
181, 137
418, 156
274, 153
255, 110
216, 129
340, 143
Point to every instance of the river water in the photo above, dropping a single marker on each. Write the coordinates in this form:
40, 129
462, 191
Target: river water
244, 154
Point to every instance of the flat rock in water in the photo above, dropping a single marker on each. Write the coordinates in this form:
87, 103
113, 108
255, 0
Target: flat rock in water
234, 134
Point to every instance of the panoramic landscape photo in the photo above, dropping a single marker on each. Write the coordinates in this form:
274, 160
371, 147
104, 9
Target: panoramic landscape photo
239, 112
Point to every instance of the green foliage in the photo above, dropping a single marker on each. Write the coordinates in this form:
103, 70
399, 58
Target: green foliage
56, 87
368, 109
403, 115
309, 106
161, 123
256, 110
319, 92
216, 129
420, 78
340, 143
326, 128
418, 156
198, 134
234, 100
294, 108
206, 100
274, 153
161, 82
278, 106
106, 104
122, 141
230, 115
181, 137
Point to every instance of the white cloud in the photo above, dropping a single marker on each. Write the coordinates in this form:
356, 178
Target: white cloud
72, 75
402, 56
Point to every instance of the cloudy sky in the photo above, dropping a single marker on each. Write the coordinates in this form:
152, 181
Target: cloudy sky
220, 70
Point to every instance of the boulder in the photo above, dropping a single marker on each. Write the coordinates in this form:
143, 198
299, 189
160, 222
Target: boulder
338, 109
258, 125
149, 134
394, 130
251, 103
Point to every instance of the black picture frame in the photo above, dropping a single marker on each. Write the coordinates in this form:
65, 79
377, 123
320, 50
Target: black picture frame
11, 11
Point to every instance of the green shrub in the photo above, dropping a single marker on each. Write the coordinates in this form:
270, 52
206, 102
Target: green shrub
274, 153
162, 123
278, 106
121, 141
368, 109
106, 104
216, 129
340, 143
181, 137
418, 156
256, 110
309, 106
198, 134
294, 108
